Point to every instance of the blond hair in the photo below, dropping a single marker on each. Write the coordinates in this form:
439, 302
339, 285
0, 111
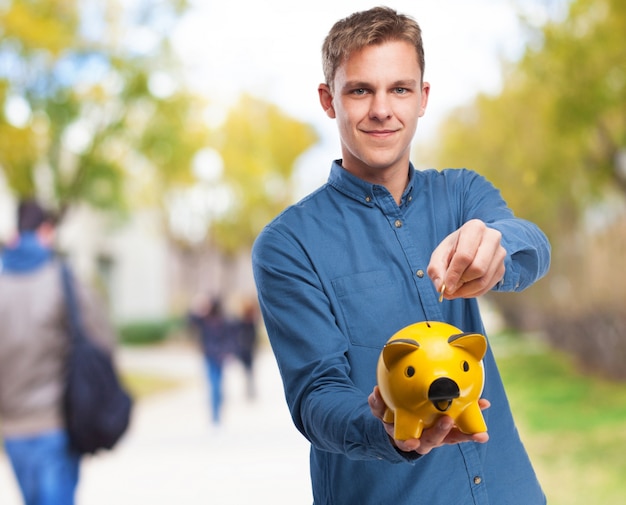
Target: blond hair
371, 27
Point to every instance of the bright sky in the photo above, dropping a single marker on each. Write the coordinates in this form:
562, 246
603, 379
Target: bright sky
271, 49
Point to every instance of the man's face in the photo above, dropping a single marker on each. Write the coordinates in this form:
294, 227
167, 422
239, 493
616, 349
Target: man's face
377, 100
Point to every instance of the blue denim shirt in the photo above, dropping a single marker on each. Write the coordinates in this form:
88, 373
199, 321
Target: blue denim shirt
339, 273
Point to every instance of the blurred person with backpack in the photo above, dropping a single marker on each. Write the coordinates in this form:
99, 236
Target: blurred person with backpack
34, 343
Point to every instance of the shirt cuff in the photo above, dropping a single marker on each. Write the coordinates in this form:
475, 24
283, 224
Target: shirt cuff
409, 456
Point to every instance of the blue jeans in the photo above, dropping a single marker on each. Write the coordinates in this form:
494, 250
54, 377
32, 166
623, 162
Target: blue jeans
45, 467
215, 369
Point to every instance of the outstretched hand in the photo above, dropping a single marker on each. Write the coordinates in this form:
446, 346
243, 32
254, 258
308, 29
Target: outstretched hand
444, 432
469, 261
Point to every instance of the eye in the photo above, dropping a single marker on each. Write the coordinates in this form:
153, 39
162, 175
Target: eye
359, 91
410, 371
401, 91
465, 366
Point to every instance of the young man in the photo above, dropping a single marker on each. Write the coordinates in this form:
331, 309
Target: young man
367, 254
34, 342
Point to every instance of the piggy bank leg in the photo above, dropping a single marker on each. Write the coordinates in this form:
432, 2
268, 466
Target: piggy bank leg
407, 426
388, 417
471, 420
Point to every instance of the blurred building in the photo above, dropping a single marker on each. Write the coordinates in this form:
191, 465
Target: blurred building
143, 274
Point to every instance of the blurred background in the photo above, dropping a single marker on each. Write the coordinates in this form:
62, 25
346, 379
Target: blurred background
167, 133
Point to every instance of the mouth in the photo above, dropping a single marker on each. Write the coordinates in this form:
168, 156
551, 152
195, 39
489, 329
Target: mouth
380, 133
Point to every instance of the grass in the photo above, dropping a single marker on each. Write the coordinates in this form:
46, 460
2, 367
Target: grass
148, 332
141, 385
573, 425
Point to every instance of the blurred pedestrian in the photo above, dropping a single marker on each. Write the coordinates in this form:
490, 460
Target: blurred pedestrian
215, 334
246, 342
34, 342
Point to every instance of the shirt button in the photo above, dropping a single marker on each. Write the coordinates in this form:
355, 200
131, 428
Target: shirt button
368, 199
420, 273
398, 223
477, 480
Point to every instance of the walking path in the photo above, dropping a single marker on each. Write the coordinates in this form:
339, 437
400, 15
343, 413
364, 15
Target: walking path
173, 455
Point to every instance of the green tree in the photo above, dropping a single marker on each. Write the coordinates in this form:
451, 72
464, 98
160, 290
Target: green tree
551, 139
85, 114
554, 141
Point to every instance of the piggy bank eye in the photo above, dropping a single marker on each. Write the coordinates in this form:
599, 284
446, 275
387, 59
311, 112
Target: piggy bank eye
465, 366
410, 371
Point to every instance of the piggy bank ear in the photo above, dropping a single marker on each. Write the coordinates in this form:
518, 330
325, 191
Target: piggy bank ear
397, 349
474, 343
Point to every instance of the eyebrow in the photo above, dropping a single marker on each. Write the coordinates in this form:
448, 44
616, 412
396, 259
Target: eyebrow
403, 83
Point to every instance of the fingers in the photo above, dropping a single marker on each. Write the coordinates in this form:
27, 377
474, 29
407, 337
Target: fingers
469, 261
376, 403
410, 445
440, 259
444, 432
472, 256
458, 437
378, 407
484, 404
435, 436
477, 287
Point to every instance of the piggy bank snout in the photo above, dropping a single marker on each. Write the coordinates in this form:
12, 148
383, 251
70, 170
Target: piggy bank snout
441, 393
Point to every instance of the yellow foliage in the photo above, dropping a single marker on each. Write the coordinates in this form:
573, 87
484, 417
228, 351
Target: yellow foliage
95, 128
41, 25
259, 146
17, 157
550, 138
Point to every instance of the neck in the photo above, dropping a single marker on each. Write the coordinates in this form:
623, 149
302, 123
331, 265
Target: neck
395, 180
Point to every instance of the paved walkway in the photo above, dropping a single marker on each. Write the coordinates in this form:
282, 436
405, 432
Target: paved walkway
173, 455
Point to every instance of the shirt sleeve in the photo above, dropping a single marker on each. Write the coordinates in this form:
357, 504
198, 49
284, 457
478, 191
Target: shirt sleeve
528, 254
325, 405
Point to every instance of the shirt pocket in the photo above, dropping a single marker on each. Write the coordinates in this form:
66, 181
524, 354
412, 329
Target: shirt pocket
370, 303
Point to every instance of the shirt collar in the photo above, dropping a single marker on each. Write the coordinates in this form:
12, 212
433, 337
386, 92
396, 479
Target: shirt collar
360, 190
26, 255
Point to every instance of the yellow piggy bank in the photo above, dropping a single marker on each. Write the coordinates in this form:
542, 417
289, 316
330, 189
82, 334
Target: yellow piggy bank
429, 369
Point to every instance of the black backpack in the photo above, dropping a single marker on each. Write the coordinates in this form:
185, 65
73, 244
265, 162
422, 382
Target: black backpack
96, 406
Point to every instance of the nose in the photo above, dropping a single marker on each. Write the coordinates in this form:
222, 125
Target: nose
441, 393
380, 107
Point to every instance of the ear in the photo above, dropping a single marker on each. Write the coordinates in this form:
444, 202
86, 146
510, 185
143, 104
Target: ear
326, 100
474, 343
425, 95
397, 349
